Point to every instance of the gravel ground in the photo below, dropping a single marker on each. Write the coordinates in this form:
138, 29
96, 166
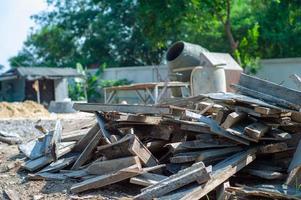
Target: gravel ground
14, 178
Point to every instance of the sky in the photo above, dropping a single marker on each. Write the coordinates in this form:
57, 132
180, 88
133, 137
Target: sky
15, 25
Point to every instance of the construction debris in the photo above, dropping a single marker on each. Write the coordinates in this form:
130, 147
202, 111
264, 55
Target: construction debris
216, 144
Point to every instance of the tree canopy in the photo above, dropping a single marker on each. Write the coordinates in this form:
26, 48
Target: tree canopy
131, 32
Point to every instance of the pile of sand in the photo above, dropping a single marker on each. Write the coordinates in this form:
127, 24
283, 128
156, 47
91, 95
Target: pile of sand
22, 109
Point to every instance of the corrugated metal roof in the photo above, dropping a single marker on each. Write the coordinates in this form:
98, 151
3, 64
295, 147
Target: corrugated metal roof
39, 72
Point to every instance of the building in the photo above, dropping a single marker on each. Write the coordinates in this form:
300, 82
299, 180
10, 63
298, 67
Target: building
41, 84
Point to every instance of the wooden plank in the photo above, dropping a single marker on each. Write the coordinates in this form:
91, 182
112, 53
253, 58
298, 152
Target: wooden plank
57, 133
266, 111
196, 172
141, 118
196, 127
232, 119
110, 166
33, 149
33, 165
147, 179
296, 161
108, 179
265, 174
221, 172
178, 147
60, 164
75, 135
92, 107
81, 145
269, 88
86, 154
256, 130
127, 146
266, 97
294, 177
215, 128
202, 155
273, 148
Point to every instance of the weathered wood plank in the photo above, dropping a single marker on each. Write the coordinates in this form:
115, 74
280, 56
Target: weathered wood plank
92, 107
222, 172
87, 153
147, 179
110, 166
215, 127
256, 130
232, 119
265, 174
196, 172
127, 146
81, 145
103, 131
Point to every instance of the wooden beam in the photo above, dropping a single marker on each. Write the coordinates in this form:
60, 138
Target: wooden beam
82, 143
103, 131
111, 166
215, 127
127, 146
256, 130
87, 152
147, 179
222, 172
92, 107
232, 119
196, 172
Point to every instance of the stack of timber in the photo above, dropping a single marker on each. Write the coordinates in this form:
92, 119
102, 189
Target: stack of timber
242, 145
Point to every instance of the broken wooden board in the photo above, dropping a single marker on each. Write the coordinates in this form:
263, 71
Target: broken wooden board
296, 161
129, 145
147, 179
256, 130
81, 144
55, 140
196, 172
33, 165
140, 118
294, 177
92, 107
221, 172
232, 119
215, 127
110, 166
87, 152
33, 149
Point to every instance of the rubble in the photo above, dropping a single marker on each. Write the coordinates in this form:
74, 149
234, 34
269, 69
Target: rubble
218, 144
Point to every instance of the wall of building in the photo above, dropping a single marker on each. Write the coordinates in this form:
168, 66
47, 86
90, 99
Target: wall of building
12, 90
280, 70
61, 89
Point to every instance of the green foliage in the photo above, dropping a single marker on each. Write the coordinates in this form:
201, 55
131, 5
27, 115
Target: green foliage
91, 87
128, 33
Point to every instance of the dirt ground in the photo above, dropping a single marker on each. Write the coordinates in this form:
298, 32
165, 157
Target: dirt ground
14, 178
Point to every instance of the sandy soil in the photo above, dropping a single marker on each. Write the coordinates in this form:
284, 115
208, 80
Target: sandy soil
14, 178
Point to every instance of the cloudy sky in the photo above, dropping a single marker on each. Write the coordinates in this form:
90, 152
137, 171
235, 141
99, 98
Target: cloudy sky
14, 25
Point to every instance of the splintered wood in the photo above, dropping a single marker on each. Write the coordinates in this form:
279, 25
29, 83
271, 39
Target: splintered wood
213, 145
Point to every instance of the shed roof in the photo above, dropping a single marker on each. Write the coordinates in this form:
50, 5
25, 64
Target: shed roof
41, 72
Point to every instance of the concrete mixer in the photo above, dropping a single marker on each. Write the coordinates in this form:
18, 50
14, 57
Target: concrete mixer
206, 71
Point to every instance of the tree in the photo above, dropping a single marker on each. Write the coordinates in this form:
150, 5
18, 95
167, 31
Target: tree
126, 32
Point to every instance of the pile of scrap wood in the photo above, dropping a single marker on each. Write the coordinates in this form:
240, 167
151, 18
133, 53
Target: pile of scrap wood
220, 144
